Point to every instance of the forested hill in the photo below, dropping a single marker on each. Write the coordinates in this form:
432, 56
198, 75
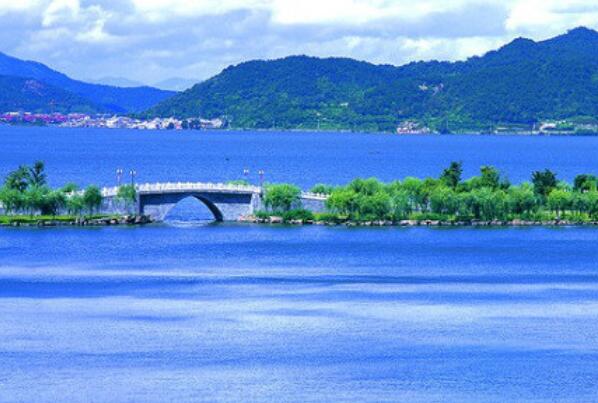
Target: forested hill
520, 83
104, 97
31, 95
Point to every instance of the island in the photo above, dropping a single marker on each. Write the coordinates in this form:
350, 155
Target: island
487, 199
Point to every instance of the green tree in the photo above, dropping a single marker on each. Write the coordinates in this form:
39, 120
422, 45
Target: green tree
580, 202
585, 183
37, 175
282, 197
53, 202
592, 204
490, 177
444, 200
127, 194
18, 179
521, 199
34, 199
366, 187
69, 188
321, 188
414, 188
372, 206
401, 205
342, 201
486, 204
544, 182
75, 204
559, 201
92, 199
451, 176
427, 188
11, 199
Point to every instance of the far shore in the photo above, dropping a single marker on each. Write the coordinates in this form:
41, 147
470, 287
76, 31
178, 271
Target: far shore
331, 131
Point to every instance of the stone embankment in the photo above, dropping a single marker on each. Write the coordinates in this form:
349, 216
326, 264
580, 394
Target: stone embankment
419, 223
80, 222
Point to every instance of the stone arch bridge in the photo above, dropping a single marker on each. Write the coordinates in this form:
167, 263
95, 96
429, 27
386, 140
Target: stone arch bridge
227, 202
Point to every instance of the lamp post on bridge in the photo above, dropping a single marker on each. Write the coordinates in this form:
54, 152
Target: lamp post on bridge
261, 173
246, 174
133, 175
119, 176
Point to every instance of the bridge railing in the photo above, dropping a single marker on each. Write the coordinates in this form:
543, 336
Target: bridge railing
148, 187
200, 186
311, 195
183, 186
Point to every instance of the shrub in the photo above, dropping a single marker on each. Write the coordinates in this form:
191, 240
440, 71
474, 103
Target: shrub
322, 189
282, 197
92, 199
298, 214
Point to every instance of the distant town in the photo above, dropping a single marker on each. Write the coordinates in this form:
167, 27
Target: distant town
578, 126
78, 120
408, 127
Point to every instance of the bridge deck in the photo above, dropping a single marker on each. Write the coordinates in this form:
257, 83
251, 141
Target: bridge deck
192, 187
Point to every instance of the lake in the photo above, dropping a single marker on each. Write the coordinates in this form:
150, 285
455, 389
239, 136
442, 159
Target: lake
92, 156
194, 311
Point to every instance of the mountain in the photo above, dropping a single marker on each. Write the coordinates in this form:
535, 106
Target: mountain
116, 82
113, 99
175, 84
18, 93
519, 84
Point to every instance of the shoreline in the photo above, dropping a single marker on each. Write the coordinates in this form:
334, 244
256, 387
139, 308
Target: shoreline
47, 222
277, 220
324, 131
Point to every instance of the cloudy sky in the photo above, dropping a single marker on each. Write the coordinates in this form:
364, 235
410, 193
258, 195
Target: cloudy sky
151, 40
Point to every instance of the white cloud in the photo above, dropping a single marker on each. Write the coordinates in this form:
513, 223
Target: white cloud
11, 6
452, 50
149, 40
548, 17
61, 12
159, 10
357, 11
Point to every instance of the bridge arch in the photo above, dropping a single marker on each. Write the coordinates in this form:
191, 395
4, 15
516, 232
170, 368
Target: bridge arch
213, 209
224, 206
174, 200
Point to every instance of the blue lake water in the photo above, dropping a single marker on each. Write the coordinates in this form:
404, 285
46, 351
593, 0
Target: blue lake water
92, 156
206, 312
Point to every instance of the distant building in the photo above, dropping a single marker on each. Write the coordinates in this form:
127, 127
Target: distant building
412, 127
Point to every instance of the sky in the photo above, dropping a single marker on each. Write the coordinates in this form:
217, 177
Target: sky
149, 41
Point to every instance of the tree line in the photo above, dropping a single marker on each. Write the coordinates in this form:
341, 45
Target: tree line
26, 191
488, 196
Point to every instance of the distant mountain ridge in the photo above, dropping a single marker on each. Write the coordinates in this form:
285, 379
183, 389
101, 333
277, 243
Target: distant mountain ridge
520, 83
104, 97
175, 84
116, 82
17, 92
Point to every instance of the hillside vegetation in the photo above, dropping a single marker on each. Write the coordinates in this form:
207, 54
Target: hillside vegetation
35, 96
104, 97
520, 84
